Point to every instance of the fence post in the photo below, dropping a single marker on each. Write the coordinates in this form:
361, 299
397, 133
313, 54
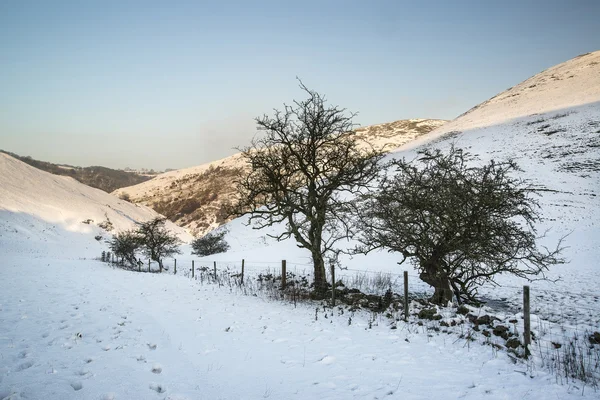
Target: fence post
332, 284
139, 264
406, 296
113, 258
283, 274
215, 268
242, 276
175, 268
148, 265
193, 269
526, 320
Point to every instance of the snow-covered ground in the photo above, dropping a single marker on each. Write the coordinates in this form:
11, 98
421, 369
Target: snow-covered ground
82, 330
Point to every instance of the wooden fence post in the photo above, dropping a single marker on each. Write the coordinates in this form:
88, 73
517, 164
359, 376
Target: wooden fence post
332, 284
193, 269
406, 296
526, 320
148, 265
242, 276
113, 258
175, 268
283, 274
215, 268
140, 264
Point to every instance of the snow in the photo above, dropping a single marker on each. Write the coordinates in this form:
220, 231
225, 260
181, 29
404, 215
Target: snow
80, 329
72, 327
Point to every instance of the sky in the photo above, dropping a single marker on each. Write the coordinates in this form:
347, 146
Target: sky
173, 84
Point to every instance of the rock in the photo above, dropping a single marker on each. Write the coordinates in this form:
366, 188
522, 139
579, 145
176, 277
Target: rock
501, 331
595, 338
463, 310
444, 323
429, 313
486, 333
484, 320
513, 343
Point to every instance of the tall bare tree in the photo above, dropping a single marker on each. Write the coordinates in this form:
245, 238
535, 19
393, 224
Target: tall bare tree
461, 224
302, 168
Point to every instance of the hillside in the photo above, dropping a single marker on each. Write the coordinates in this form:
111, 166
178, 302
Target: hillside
572, 83
102, 178
196, 198
45, 213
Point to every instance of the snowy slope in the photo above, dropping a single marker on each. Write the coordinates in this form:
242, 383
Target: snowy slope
41, 212
195, 197
570, 84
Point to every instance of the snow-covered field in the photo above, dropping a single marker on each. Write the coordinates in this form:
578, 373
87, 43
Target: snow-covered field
72, 327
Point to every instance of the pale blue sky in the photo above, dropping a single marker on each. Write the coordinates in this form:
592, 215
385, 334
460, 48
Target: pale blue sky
160, 84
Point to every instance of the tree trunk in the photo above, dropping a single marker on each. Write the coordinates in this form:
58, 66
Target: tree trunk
320, 282
434, 276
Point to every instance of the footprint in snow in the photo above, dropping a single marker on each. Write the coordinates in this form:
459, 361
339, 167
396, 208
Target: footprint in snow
156, 369
106, 348
76, 385
24, 366
151, 346
84, 372
158, 388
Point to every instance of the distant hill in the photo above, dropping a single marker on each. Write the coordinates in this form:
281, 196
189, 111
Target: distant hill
196, 198
102, 178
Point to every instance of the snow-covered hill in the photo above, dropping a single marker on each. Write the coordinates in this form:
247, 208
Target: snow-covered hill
573, 83
195, 198
50, 214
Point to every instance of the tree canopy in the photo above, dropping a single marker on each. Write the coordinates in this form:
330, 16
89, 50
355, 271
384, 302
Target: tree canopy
461, 224
300, 167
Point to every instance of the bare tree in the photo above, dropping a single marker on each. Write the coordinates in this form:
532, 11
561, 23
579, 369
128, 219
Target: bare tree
125, 245
461, 225
156, 240
300, 168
